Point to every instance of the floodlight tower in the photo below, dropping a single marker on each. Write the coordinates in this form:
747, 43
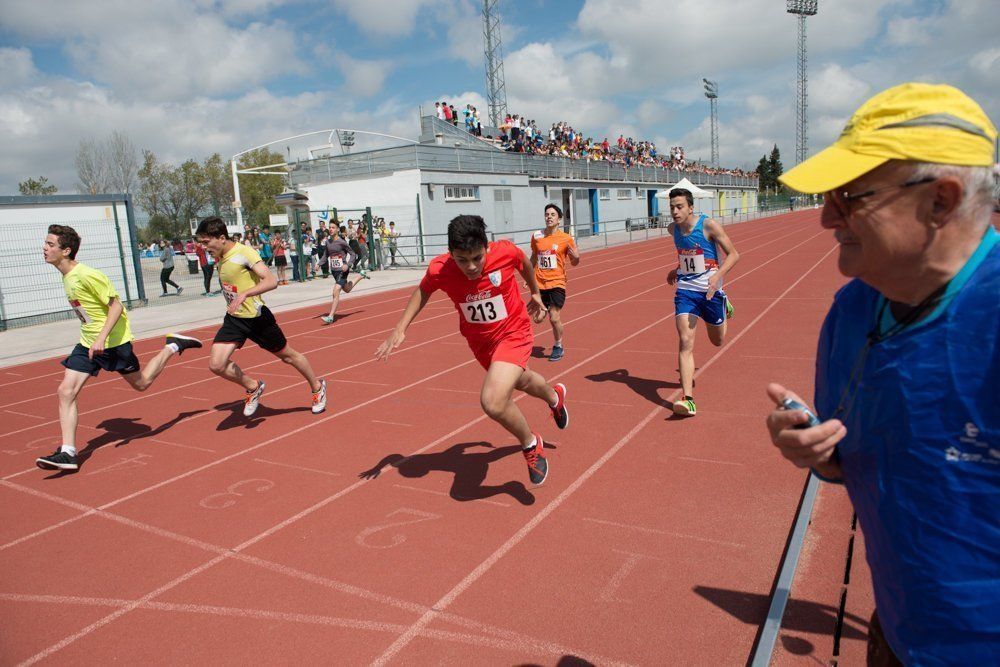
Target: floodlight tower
496, 90
712, 93
802, 9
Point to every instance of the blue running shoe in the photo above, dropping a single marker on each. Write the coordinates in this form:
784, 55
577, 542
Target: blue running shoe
557, 353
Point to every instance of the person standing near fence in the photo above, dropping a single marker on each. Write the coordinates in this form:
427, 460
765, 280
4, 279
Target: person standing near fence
244, 279
362, 248
280, 260
105, 340
167, 262
908, 368
550, 248
207, 263
393, 241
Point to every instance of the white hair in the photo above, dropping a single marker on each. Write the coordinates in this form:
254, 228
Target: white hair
978, 185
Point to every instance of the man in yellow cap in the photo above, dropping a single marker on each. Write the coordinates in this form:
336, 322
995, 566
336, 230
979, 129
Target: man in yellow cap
907, 368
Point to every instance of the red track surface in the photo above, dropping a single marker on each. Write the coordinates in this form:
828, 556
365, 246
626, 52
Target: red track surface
192, 535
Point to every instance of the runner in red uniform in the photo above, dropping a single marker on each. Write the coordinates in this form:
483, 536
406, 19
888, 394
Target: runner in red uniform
478, 276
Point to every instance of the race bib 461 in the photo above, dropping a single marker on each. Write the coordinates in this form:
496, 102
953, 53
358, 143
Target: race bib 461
548, 261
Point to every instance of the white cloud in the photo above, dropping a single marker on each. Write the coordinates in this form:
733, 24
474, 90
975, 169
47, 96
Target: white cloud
393, 18
362, 78
16, 67
163, 51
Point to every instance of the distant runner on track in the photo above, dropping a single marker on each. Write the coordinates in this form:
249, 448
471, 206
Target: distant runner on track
340, 258
105, 339
698, 277
549, 250
244, 278
479, 277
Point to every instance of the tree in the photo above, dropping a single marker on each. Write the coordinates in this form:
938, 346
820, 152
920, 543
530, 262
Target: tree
153, 177
774, 167
219, 183
123, 162
257, 192
31, 187
763, 174
93, 167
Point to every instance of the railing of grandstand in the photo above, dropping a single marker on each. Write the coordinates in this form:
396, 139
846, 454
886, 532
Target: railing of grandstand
431, 126
448, 158
408, 251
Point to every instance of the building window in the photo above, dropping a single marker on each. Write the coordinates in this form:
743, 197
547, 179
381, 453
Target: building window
461, 193
625, 194
604, 195
501, 195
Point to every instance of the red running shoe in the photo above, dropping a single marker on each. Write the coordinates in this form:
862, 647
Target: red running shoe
538, 465
559, 413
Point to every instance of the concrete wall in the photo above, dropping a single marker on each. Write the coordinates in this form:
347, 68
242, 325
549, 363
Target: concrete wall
392, 196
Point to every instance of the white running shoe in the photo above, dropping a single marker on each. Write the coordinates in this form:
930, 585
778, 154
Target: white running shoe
252, 399
319, 398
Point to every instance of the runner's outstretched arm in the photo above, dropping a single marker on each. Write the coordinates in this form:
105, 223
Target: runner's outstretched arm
413, 307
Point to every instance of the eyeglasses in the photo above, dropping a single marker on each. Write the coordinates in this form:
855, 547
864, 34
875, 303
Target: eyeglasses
843, 200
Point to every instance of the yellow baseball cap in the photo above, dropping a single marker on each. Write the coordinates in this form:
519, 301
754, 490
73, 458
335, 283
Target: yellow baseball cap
912, 121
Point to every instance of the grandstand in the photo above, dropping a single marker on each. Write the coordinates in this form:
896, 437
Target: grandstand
422, 186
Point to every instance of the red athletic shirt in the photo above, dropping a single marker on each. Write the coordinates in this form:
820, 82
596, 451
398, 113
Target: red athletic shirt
490, 308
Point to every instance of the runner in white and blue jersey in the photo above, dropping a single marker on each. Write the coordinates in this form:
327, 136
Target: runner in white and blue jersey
699, 277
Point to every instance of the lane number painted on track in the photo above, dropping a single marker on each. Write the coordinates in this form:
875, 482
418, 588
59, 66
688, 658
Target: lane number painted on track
233, 493
369, 537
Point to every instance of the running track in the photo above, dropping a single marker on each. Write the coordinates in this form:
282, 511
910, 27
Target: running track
193, 535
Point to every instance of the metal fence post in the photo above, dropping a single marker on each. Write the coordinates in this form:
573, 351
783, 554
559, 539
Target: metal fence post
134, 235
420, 228
297, 239
121, 253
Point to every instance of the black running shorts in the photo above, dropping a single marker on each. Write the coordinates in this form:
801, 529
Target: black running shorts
554, 297
263, 330
120, 359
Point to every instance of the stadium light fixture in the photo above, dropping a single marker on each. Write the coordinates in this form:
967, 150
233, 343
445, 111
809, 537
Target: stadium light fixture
712, 93
802, 9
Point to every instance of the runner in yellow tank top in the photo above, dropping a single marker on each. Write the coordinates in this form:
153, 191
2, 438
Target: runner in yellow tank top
245, 278
105, 340
550, 249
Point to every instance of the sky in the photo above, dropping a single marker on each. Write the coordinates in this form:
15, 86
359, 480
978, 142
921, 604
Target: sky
187, 78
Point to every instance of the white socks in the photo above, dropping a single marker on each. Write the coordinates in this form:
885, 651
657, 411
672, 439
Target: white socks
534, 441
174, 347
69, 449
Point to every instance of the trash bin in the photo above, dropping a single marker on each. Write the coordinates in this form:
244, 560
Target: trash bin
193, 267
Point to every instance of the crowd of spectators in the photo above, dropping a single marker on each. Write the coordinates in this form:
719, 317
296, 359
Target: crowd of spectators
470, 117
521, 135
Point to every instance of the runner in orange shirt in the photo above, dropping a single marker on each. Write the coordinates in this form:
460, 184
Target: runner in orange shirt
549, 249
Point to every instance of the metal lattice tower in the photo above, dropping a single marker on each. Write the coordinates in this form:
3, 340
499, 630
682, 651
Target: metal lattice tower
802, 9
496, 90
712, 93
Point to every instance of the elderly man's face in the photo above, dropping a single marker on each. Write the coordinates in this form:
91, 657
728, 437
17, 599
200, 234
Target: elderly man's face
880, 233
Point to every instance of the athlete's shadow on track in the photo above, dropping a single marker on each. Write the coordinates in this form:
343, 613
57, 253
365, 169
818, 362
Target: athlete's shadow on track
235, 418
647, 388
121, 431
469, 469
